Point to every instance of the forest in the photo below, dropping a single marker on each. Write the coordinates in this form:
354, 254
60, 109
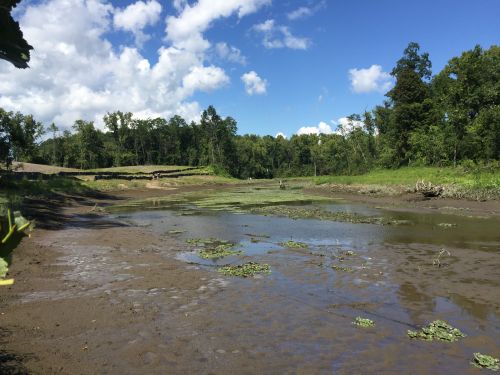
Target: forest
450, 118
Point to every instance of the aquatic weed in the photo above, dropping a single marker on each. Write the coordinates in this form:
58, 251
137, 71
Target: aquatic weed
437, 330
485, 361
245, 270
294, 244
363, 322
219, 251
343, 269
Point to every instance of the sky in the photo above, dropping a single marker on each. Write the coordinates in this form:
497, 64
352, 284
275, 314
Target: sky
288, 67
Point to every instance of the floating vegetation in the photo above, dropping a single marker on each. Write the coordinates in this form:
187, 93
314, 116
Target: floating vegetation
257, 235
485, 361
341, 268
321, 214
294, 245
206, 241
219, 252
363, 322
176, 231
245, 270
437, 330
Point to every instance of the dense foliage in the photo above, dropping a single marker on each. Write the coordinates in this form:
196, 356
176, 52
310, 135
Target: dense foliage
444, 119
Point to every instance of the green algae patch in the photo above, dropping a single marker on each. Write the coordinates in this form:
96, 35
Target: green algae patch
363, 322
245, 270
219, 251
206, 241
243, 199
437, 330
316, 213
294, 245
341, 268
485, 361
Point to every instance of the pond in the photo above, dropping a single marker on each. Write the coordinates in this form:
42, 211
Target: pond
402, 271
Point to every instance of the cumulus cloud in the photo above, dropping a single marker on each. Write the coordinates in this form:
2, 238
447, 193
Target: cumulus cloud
136, 17
370, 79
278, 36
303, 12
230, 53
346, 125
76, 73
185, 30
280, 134
254, 85
322, 128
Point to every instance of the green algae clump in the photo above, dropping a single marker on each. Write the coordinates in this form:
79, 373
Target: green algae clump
294, 245
219, 251
485, 361
245, 270
437, 330
363, 322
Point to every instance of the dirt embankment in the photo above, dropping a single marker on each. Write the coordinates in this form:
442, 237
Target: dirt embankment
396, 199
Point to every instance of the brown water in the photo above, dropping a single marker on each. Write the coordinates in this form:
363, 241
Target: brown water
299, 318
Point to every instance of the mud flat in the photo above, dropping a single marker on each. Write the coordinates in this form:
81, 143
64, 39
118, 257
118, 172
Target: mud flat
127, 292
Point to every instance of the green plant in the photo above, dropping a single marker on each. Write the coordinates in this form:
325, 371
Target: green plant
245, 270
437, 330
485, 361
363, 322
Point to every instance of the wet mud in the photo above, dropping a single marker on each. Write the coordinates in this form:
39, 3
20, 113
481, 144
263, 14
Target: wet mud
135, 296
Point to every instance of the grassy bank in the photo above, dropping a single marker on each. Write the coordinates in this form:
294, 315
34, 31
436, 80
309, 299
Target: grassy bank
456, 182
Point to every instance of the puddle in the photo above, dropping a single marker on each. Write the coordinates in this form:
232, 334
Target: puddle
299, 316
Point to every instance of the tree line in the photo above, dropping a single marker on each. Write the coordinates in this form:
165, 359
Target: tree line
444, 119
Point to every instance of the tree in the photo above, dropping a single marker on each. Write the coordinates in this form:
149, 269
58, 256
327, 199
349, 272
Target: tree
409, 107
13, 47
53, 128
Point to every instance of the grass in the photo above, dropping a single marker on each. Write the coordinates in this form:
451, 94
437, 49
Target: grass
458, 182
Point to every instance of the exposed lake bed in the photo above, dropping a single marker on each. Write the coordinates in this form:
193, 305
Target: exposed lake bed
153, 300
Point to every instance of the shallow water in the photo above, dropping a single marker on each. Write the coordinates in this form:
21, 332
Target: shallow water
299, 318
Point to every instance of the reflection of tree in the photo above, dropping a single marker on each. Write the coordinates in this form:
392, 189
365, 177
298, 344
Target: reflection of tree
13, 47
477, 310
414, 301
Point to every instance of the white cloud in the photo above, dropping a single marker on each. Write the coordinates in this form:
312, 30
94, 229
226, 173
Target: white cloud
280, 134
185, 31
136, 17
346, 126
254, 85
76, 73
230, 53
322, 128
179, 4
303, 12
371, 79
278, 36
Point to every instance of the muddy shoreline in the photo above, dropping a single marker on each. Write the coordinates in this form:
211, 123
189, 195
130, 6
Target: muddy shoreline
97, 295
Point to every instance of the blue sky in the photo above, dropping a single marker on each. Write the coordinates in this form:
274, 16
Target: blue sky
304, 62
